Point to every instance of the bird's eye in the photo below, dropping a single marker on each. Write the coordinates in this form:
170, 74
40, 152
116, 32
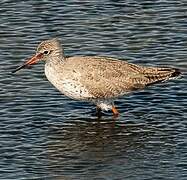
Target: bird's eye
46, 52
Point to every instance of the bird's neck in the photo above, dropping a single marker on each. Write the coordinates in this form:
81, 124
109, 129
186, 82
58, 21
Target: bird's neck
56, 59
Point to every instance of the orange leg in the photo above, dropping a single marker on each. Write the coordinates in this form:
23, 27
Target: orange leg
115, 111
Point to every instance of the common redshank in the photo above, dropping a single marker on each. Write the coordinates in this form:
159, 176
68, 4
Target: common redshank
97, 79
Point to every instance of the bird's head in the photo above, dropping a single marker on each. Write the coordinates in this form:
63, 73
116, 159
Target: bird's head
46, 50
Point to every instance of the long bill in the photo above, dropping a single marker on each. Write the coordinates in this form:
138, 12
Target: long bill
31, 61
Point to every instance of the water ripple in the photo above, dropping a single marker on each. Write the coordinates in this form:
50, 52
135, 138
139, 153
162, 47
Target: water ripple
45, 135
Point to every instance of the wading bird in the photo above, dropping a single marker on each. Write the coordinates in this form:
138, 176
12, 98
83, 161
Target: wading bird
99, 80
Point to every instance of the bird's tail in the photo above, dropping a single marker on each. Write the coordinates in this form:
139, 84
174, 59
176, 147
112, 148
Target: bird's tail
155, 74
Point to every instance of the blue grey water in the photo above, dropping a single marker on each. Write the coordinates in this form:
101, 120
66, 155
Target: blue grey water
45, 135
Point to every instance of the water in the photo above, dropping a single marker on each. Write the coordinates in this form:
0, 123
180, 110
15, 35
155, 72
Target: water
45, 135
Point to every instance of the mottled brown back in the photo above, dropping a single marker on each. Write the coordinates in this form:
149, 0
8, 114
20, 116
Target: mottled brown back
108, 77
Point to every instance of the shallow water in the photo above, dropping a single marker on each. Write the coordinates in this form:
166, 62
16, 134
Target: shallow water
45, 135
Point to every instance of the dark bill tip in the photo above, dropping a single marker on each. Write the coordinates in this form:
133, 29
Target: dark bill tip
31, 61
20, 67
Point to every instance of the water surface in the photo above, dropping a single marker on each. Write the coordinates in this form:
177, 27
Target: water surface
45, 135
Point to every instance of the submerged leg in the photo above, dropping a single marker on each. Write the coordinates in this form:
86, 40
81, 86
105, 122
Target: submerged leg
106, 105
98, 111
115, 111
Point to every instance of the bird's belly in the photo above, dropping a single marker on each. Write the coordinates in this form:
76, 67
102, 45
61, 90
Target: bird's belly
72, 89
75, 90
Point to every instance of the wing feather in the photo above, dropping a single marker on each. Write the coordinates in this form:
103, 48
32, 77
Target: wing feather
109, 77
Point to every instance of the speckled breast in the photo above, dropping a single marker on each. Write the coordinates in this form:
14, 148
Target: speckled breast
67, 85
74, 89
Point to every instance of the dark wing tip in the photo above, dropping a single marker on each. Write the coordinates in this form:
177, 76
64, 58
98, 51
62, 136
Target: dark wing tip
165, 74
176, 73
